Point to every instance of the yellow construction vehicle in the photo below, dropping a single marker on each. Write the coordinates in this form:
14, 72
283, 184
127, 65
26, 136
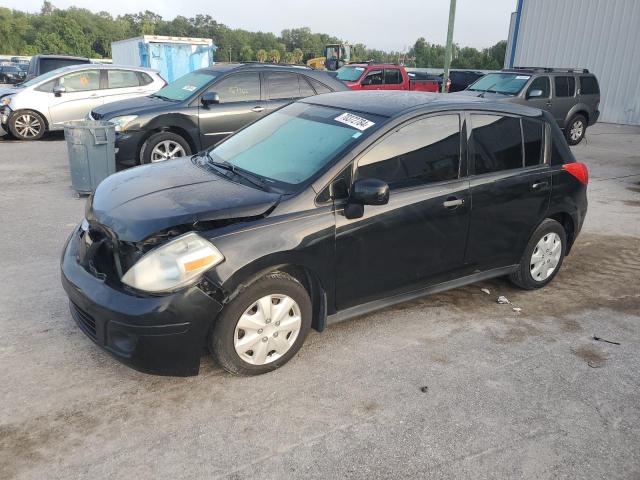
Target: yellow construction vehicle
335, 56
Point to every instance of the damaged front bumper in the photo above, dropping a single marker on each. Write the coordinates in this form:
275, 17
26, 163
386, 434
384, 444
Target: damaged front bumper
162, 335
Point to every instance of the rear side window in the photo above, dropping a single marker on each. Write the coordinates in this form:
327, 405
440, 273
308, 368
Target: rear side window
283, 86
565, 86
589, 86
424, 151
122, 79
319, 87
540, 83
392, 76
533, 134
242, 87
145, 79
305, 88
497, 143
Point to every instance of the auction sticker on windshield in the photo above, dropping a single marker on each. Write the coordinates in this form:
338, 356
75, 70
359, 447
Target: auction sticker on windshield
189, 88
354, 121
523, 77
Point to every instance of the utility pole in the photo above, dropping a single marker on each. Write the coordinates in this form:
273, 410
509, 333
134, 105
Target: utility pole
448, 50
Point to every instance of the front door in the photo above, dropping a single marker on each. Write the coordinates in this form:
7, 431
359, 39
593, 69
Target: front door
509, 193
373, 80
122, 84
543, 102
240, 104
419, 237
82, 95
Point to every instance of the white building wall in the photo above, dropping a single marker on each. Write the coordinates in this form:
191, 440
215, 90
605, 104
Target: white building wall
600, 35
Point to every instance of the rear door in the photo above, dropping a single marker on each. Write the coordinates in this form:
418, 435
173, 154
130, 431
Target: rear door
82, 94
419, 237
564, 97
121, 84
240, 104
589, 92
510, 187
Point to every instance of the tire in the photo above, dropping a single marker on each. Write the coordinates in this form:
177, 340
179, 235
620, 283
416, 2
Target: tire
171, 143
549, 261
227, 333
27, 125
575, 130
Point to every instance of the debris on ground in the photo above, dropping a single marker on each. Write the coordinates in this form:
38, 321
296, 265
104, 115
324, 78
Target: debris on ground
486, 290
598, 339
502, 300
424, 389
517, 309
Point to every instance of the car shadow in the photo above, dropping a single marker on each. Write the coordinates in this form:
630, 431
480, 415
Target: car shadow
47, 137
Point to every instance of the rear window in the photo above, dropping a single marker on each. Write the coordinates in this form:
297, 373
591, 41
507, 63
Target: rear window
49, 64
589, 86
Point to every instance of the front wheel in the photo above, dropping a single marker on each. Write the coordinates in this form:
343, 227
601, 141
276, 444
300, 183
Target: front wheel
27, 125
263, 327
543, 256
163, 146
575, 129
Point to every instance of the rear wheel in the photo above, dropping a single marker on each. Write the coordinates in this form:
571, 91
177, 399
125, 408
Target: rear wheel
263, 327
163, 146
543, 256
27, 125
575, 129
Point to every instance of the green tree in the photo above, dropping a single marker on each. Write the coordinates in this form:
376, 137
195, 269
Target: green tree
246, 54
274, 55
262, 55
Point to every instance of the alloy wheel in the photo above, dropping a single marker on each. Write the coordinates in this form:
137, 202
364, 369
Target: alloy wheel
166, 150
545, 256
267, 329
28, 126
576, 131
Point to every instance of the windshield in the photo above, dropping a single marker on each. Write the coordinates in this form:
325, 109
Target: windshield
293, 144
349, 74
185, 86
507, 83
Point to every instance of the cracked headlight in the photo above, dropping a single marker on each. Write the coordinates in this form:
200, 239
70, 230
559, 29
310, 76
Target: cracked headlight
175, 264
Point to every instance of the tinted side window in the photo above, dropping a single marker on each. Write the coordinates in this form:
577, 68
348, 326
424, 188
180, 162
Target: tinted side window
283, 86
392, 76
243, 87
540, 83
589, 86
80, 81
374, 77
533, 133
565, 86
319, 87
497, 143
424, 151
305, 88
122, 79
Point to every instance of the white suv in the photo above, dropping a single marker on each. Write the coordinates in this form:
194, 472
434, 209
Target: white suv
46, 102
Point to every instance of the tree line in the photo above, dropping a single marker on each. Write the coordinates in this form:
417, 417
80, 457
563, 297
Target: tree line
78, 31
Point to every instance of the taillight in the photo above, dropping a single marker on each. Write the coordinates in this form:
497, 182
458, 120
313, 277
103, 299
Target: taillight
578, 170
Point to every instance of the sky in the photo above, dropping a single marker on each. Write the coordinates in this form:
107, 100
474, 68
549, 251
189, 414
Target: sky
382, 24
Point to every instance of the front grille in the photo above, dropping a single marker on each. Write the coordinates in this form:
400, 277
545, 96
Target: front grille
85, 321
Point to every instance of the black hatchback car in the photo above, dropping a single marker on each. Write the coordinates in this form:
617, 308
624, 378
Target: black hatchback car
328, 208
203, 107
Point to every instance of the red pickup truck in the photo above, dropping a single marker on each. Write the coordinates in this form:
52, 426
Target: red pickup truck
382, 76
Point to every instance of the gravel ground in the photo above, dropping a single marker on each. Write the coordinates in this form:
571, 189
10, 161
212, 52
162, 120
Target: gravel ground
450, 386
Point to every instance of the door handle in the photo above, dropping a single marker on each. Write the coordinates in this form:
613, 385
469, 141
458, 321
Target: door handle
453, 202
257, 109
539, 185
548, 104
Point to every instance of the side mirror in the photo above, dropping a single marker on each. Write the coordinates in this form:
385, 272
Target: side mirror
369, 191
210, 98
59, 90
534, 93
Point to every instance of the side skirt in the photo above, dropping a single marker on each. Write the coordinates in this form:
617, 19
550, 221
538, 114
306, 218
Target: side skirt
405, 297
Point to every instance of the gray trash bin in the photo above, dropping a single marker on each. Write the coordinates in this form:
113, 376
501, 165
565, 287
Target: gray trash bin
91, 147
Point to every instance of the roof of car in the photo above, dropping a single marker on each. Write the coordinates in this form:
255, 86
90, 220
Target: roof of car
393, 103
103, 66
65, 57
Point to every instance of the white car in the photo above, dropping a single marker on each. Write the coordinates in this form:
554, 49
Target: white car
45, 103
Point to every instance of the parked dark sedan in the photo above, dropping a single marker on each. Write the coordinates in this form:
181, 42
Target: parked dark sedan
329, 208
201, 108
11, 74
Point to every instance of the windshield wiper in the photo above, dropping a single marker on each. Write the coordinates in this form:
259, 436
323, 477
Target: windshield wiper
251, 177
162, 97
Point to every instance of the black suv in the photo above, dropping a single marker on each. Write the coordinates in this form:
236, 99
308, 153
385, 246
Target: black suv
202, 107
328, 208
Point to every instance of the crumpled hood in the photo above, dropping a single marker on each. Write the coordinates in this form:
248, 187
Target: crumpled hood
141, 201
132, 106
